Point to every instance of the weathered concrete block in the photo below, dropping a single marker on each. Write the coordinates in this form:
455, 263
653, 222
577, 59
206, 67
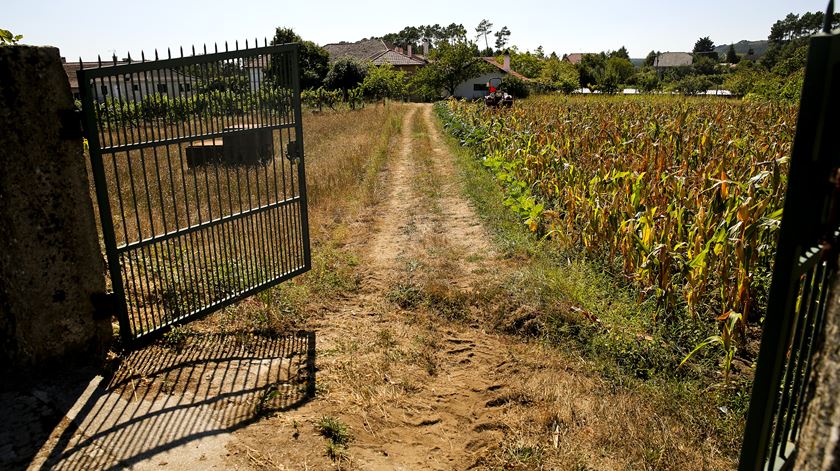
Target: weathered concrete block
50, 260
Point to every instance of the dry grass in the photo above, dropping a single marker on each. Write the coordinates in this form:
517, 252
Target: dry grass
153, 191
345, 152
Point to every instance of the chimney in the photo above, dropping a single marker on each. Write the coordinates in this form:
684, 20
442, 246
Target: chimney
409, 50
425, 48
506, 65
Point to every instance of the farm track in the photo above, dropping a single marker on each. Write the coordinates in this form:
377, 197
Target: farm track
407, 362
401, 416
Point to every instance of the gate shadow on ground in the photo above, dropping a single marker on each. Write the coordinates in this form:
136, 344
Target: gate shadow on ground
165, 396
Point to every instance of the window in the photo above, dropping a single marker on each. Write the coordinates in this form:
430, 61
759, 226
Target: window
104, 89
135, 87
161, 87
480, 87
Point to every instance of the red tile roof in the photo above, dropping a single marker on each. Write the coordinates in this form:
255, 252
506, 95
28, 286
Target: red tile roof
492, 61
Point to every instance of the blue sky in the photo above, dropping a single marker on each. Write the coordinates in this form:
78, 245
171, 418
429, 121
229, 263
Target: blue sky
95, 27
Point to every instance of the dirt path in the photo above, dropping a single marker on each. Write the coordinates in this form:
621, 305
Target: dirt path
408, 364
418, 392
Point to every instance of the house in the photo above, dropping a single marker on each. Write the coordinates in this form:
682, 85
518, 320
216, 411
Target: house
134, 86
378, 52
477, 87
575, 57
170, 82
667, 60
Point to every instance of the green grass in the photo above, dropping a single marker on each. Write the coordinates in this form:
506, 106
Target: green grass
337, 434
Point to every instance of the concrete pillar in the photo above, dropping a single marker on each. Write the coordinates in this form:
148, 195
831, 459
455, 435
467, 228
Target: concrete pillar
819, 441
50, 260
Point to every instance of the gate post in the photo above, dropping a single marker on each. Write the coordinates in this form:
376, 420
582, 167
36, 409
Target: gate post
819, 442
51, 265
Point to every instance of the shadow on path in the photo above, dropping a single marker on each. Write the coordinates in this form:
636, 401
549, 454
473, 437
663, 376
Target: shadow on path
161, 399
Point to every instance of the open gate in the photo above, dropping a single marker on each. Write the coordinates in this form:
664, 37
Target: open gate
806, 262
199, 173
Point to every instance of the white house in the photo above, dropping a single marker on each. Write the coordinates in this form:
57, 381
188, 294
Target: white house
477, 87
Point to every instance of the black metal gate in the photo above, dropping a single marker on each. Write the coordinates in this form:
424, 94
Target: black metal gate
805, 264
198, 167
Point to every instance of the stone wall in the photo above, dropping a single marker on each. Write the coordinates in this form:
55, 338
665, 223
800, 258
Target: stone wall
50, 260
819, 442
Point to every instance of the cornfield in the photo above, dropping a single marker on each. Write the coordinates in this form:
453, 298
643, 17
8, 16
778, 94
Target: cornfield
682, 196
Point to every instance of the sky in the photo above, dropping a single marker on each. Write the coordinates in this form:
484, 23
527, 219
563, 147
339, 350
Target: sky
94, 27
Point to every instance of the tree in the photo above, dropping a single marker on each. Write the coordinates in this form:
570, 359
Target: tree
526, 64
539, 52
621, 53
502, 37
704, 47
6, 37
484, 28
647, 80
731, 56
592, 68
312, 59
384, 82
560, 75
622, 67
451, 64
515, 86
345, 74
704, 66
651, 58
455, 33
693, 85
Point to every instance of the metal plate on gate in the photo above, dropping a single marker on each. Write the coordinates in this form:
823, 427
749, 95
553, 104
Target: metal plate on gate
200, 203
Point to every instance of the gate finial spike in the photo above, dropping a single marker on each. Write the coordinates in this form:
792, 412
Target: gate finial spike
246, 43
226, 46
156, 55
81, 64
216, 47
205, 48
182, 51
114, 57
169, 53
237, 44
142, 56
193, 49
829, 17
99, 59
265, 38
256, 42
128, 55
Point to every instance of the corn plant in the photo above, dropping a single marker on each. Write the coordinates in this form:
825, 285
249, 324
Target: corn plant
682, 195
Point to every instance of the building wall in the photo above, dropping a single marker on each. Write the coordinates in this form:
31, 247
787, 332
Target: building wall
467, 88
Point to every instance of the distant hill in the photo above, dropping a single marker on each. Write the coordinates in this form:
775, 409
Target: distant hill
638, 62
742, 47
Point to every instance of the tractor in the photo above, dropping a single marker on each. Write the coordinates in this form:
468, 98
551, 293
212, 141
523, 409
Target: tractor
497, 98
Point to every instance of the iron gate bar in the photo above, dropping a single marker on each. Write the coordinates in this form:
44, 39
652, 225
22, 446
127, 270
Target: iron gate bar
805, 265
166, 268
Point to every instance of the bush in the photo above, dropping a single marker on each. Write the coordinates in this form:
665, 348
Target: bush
515, 86
692, 85
384, 82
559, 75
345, 74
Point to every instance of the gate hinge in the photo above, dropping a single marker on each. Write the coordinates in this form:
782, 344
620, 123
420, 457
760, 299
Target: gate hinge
71, 124
292, 151
104, 305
